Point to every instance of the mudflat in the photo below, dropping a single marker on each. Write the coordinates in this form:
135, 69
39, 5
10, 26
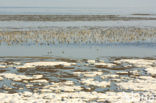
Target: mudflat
52, 58
70, 17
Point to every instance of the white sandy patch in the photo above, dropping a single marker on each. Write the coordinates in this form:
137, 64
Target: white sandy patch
46, 91
137, 62
34, 64
151, 70
1, 78
135, 72
146, 83
75, 97
149, 65
26, 93
91, 62
92, 74
105, 64
148, 78
122, 73
91, 81
37, 76
88, 74
109, 76
39, 81
16, 77
77, 73
17, 63
100, 63
29, 85
68, 83
2, 66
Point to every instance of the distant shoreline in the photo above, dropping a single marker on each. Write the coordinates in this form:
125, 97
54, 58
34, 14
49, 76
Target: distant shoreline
73, 17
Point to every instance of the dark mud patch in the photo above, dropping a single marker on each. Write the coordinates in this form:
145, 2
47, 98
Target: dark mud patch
142, 14
2, 70
67, 60
113, 68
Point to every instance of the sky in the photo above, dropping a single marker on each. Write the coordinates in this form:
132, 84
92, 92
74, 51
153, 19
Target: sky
78, 3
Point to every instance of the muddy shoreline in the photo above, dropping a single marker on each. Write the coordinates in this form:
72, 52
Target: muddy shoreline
71, 18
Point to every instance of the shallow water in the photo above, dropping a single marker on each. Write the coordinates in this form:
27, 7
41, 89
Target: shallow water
82, 51
37, 25
76, 10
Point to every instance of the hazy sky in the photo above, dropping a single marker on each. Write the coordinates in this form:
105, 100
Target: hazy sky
78, 3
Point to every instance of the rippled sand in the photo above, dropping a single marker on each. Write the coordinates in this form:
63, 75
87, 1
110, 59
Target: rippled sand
48, 80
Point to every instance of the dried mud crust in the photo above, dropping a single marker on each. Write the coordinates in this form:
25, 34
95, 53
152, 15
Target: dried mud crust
66, 80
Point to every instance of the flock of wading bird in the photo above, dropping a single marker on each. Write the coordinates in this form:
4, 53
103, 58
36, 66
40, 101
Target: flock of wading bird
77, 35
